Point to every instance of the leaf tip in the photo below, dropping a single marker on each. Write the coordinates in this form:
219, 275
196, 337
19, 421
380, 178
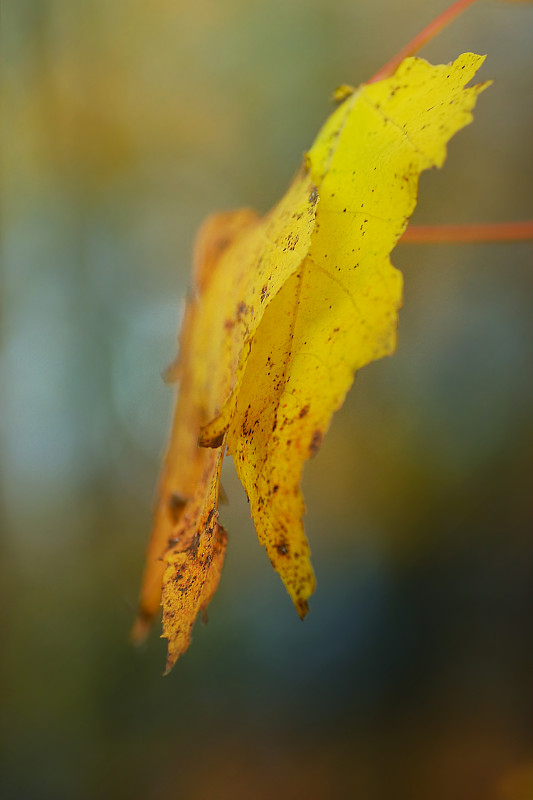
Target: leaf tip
173, 654
169, 666
342, 92
302, 607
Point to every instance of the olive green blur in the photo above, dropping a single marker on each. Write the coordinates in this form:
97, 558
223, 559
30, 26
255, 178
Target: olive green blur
126, 122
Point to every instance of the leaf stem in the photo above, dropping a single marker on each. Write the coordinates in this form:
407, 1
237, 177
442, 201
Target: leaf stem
425, 35
469, 234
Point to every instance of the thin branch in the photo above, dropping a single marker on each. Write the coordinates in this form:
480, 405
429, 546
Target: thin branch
469, 234
428, 33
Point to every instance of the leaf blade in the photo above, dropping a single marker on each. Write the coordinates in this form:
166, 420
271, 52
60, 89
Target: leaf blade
340, 311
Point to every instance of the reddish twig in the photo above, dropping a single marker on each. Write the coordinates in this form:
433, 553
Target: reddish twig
469, 234
428, 33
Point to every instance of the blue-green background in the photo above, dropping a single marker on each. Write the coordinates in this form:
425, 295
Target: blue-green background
125, 122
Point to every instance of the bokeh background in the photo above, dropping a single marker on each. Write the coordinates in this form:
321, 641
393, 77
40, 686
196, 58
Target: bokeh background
125, 123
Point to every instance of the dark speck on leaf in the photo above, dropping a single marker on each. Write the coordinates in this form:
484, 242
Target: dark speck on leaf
282, 547
315, 443
210, 518
193, 547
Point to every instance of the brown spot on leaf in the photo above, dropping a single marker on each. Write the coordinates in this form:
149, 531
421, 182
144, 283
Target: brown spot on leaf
282, 547
242, 308
315, 443
210, 517
194, 545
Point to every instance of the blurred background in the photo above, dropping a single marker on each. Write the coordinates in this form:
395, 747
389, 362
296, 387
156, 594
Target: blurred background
125, 124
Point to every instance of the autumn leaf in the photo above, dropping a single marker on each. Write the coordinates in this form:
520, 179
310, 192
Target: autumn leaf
187, 468
284, 311
339, 311
233, 284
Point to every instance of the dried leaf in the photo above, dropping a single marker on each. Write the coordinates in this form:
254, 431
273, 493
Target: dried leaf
339, 311
285, 310
186, 465
233, 284
193, 561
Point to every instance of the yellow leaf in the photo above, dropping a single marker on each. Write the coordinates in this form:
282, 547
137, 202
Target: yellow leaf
339, 311
283, 311
249, 275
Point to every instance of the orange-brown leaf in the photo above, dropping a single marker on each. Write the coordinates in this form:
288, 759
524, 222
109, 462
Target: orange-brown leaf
193, 561
185, 463
233, 285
